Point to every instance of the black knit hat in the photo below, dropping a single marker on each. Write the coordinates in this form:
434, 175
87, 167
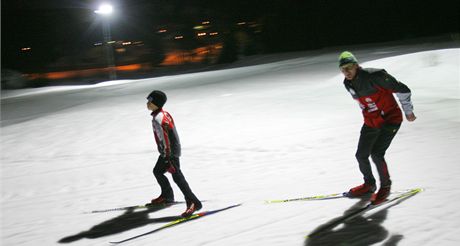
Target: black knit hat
158, 98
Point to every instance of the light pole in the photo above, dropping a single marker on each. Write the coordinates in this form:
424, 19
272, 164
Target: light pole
105, 10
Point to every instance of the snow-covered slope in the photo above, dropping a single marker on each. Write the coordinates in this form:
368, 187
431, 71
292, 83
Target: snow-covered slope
279, 130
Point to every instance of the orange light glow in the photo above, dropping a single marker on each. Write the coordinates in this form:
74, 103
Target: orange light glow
131, 67
193, 56
84, 72
208, 53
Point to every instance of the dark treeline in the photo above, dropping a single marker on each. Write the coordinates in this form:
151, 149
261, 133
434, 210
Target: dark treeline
59, 28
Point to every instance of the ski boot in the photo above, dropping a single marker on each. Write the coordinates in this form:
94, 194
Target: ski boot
360, 190
160, 201
191, 208
381, 195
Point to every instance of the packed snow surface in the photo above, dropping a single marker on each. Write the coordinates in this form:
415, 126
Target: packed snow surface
280, 130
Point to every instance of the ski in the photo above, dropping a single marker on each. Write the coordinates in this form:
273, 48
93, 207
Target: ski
308, 198
392, 201
148, 205
177, 222
323, 197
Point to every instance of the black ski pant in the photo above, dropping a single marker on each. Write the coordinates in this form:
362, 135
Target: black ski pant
166, 190
374, 142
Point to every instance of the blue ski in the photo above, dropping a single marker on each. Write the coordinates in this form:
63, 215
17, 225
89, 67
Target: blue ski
177, 222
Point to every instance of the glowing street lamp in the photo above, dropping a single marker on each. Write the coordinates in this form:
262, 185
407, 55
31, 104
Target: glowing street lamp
105, 10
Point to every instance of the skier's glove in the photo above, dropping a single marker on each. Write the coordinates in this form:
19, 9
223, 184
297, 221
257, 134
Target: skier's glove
169, 164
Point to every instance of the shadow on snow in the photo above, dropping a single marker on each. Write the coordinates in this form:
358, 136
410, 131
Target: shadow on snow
127, 221
360, 230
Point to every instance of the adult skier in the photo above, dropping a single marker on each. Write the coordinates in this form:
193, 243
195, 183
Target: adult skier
373, 89
168, 144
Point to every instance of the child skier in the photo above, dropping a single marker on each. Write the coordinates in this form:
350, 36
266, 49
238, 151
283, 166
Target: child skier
373, 89
169, 148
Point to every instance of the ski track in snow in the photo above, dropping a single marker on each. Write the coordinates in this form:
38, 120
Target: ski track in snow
280, 130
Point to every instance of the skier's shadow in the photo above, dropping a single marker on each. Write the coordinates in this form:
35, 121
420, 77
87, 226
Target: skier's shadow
357, 231
127, 221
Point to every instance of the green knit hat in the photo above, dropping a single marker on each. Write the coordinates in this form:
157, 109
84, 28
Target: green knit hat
347, 57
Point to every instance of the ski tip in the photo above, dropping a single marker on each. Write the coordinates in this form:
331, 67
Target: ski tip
416, 190
231, 206
412, 191
218, 210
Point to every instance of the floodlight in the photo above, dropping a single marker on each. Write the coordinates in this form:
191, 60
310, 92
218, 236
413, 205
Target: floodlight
104, 9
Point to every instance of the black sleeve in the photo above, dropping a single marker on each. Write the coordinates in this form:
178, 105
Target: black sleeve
403, 92
385, 80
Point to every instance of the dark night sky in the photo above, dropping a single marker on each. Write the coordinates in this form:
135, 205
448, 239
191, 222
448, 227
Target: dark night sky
32, 21
51, 25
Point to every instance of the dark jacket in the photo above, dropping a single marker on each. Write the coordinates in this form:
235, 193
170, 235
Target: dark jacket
373, 89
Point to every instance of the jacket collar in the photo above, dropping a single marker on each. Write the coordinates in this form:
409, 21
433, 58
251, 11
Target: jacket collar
154, 113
